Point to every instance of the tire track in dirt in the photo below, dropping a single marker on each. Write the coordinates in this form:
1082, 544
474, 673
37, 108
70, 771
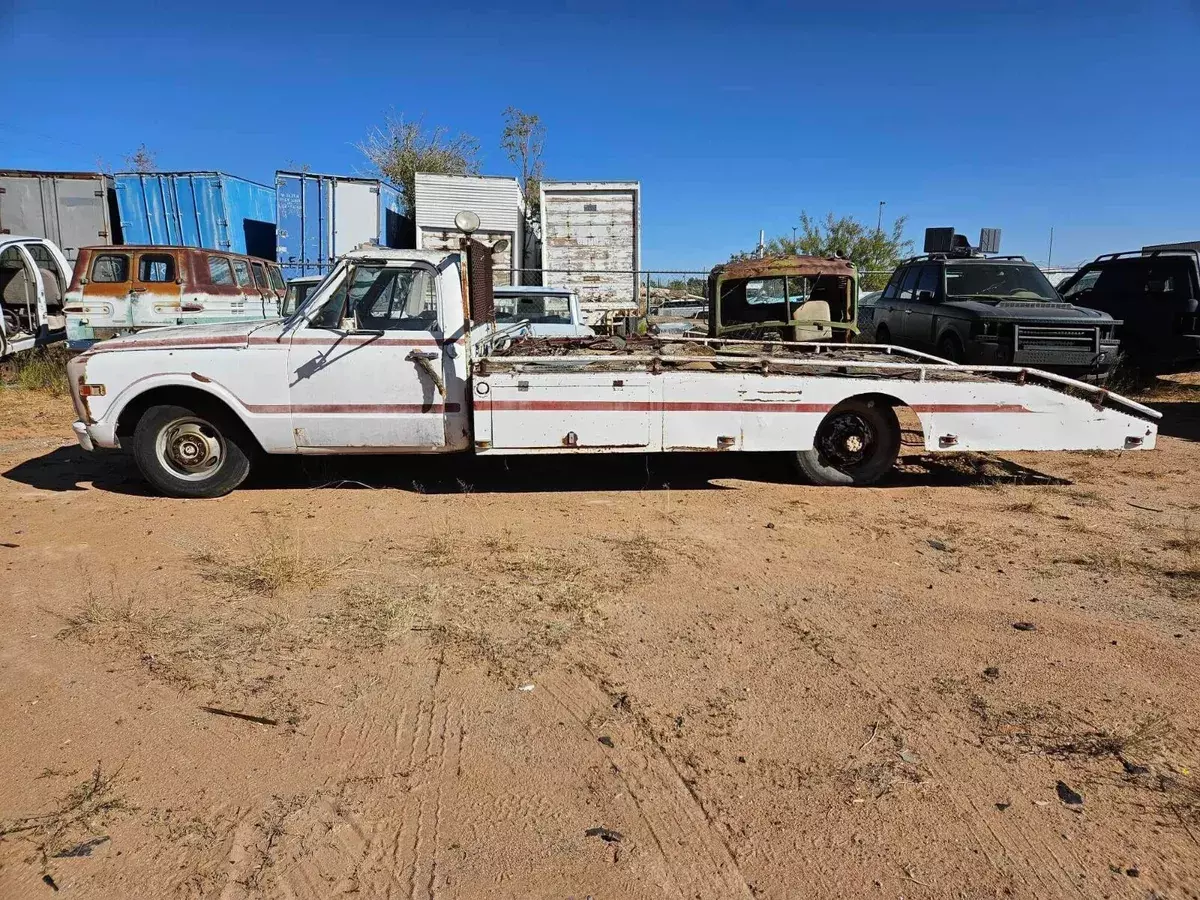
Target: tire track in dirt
314, 846
698, 861
956, 772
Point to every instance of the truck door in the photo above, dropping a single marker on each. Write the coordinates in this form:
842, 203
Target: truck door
919, 304
157, 293
371, 368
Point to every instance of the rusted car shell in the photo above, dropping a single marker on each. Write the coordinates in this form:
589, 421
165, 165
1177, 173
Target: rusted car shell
185, 293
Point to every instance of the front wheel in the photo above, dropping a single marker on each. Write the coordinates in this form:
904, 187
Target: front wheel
188, 454
857, 443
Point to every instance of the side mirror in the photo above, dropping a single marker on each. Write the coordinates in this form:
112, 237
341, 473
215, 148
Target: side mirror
83, 280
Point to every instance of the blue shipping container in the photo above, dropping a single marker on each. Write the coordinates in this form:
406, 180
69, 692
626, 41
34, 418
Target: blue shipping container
197, 209
322, 217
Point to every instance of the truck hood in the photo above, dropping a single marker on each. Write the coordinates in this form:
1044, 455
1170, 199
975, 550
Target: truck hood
1028, 311
232, 334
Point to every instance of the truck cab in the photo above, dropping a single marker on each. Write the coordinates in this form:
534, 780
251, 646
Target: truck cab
791, 298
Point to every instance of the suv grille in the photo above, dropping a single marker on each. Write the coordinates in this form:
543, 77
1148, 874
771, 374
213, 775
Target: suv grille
1043, 337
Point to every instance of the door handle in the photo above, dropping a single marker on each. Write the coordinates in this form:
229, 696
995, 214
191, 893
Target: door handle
908, 312
415, 355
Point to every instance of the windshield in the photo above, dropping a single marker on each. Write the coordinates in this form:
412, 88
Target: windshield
540, 310
304, 293
998, 281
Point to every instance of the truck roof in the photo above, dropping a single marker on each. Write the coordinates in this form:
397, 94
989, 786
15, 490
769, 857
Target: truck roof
781, 265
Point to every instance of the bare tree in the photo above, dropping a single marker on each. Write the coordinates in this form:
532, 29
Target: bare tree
142, 160
400, 149
522, 140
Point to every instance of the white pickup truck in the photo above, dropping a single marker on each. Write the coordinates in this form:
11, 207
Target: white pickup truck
394, 354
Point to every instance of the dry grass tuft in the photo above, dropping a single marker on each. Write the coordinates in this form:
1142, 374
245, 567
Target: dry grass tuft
1031, 507
438, 551
85, 810
641, 553
276, 562
1187, 542
44, 370
1134, 742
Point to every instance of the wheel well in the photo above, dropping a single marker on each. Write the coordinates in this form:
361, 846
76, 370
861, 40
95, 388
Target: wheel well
195, 399
951, 334
907, 417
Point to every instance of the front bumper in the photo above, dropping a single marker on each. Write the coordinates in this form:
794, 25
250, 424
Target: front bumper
95, 437
81, 435
1066, 359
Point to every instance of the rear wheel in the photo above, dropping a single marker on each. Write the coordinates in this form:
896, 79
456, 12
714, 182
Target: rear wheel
857, 443
185, 453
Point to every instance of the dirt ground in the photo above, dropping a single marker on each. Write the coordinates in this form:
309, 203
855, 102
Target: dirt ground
688, 678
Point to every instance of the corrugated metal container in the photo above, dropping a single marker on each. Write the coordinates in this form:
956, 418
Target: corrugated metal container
323, 216
591, 242
72, 209
496, 200
197, 209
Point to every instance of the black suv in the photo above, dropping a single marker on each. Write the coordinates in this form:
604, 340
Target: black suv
991, 310
1155, 292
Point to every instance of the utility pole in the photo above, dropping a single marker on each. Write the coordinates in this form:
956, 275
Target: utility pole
1050, 255
793, 238
879, 221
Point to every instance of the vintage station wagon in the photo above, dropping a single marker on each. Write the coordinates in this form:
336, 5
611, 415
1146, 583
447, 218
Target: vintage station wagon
121, 290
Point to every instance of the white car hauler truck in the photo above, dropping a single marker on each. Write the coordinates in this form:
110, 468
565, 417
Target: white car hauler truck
397, 352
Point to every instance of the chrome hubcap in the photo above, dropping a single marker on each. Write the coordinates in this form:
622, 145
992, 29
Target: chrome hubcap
191, 449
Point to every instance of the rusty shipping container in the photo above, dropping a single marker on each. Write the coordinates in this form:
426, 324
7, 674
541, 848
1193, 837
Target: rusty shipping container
72, 209
591, 243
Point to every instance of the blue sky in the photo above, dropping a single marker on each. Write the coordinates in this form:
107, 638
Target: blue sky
734, 117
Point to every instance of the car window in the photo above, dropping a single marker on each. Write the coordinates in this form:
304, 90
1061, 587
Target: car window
997, 281
276, 278
110, 268
156, 268
910, 281
260, 276
765, 290
930, 276
219, 270
241, 271
893, 286
390, 298
1085, 282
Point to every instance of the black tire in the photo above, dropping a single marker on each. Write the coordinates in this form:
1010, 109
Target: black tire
185, 453
951, 348
857, 443
883, 335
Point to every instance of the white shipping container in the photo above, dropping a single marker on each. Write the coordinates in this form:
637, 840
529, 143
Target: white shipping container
496, 200
71, 209
591, 242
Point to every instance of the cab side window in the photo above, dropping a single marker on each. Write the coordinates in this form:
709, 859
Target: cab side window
392, 298
156, 268
260, 276
908, 285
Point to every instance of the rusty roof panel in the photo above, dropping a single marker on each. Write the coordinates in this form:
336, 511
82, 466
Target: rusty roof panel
784, 265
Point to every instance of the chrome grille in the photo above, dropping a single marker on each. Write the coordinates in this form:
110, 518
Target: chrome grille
1041, 337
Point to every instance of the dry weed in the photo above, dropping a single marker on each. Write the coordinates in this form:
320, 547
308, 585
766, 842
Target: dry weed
641, 553
276, 561
85, 810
